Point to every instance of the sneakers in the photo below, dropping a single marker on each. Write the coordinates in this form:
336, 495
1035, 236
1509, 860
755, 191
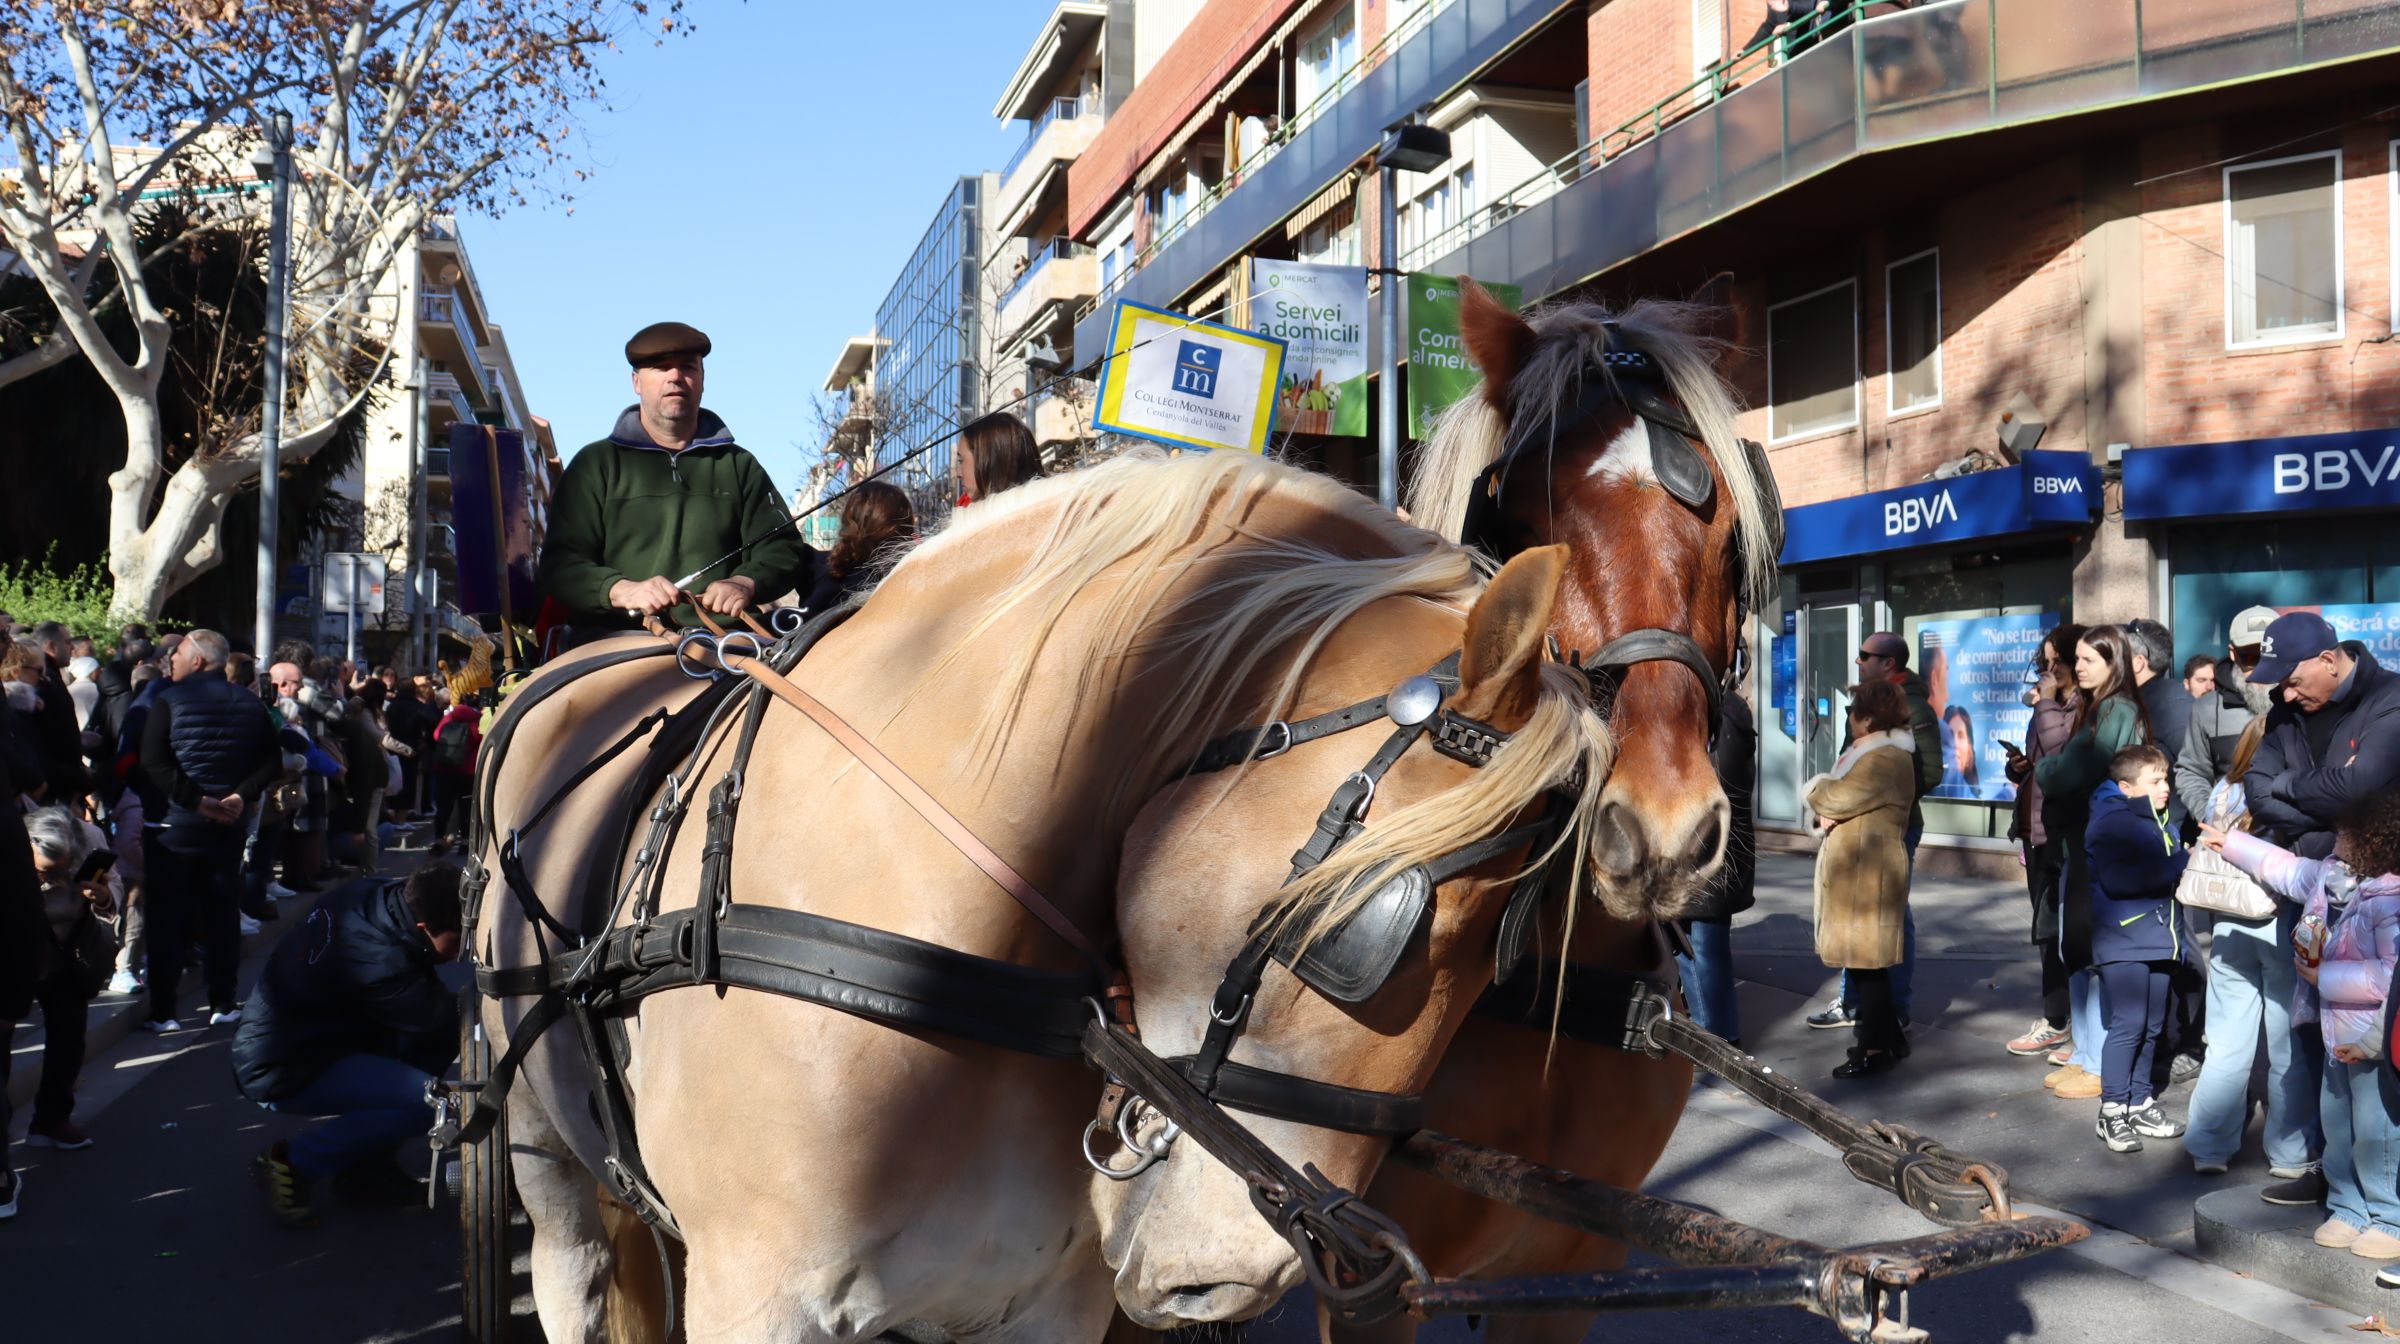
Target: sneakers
250, 927
2289, 1173
280, 892
2039, 1039
159, 1025
2183, 1069
286, 1189
2115, 1128
2200, 1168
1831, 1016
2306, 1188
2056, 1076
224, 1017
2376, 1244
2062, 1056
2336, 1234
2080, 1085
64, 1135
124, 982
2152, 1123
11, 1184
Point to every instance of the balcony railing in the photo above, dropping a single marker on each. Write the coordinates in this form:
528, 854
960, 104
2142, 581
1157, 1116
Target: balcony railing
1059, 109
443, 305
1765, 121
1055, 248
506, 397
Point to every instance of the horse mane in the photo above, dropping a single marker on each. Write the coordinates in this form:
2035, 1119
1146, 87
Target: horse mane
1470, 434
1119, 533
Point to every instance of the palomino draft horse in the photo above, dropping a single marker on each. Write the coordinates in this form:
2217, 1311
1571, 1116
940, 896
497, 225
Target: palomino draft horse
1047, 672
1571, 408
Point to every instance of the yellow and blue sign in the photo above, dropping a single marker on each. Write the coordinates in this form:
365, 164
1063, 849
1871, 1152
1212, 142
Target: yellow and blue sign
1187, 382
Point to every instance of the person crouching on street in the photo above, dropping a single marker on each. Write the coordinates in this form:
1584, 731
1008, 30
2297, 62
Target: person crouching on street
350, 1020
2137, 937
2344, 948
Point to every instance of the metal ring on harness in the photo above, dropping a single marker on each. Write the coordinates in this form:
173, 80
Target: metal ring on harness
758, 647
685, 664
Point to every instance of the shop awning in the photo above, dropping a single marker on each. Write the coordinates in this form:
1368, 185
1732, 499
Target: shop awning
2308, 473
2046, 491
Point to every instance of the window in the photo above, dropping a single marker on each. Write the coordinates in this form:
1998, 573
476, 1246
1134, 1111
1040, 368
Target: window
1708, 36
1324, 57
1912, 321
2283, 252
1812, 362
1331, 241
1442, 204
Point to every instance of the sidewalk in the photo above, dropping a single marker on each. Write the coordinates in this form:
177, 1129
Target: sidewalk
1977, 986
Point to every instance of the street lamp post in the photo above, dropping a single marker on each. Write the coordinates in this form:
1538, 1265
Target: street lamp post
1416, 149
276, 159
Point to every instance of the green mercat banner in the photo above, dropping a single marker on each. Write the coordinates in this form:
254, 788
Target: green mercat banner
1439, 371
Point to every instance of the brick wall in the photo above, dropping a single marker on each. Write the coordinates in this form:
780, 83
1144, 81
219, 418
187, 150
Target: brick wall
1640, 51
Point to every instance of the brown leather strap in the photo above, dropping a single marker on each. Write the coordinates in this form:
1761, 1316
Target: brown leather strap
755, 628
983, 856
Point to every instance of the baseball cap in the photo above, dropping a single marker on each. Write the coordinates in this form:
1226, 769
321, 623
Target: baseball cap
2289, 642
2249, 626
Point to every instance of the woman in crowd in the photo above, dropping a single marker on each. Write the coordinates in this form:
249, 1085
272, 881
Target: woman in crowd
995, 453
877, 523
2250, 981
60, 844
1862, 869
2110, 719
2056, 702
457, 740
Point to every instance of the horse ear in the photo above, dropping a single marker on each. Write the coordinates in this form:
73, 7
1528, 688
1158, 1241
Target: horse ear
1496, 338
1499, 671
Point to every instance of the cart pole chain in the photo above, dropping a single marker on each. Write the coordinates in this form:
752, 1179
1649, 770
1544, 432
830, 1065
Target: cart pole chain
1358, 1261
1945, 1187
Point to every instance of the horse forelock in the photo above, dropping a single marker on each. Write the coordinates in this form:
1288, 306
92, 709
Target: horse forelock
1236, 572
1571, 340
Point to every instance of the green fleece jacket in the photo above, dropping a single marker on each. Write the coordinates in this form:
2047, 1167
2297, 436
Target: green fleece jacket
629, 509
2079, 767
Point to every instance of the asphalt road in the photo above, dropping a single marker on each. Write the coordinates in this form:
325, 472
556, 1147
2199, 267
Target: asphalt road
157, 1232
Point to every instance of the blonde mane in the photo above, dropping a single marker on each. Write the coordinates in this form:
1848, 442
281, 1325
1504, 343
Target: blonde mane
1246, 638
1470, 434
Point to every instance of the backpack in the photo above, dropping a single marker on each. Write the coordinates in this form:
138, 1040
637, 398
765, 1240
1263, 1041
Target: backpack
454, 745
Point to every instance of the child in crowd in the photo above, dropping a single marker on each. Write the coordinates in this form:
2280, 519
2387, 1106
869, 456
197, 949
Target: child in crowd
2348, 937
2137, 937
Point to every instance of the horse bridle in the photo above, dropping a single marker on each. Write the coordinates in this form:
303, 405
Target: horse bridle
1632, 378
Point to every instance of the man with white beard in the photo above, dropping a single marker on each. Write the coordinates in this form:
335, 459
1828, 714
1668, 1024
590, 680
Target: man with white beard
2219, 718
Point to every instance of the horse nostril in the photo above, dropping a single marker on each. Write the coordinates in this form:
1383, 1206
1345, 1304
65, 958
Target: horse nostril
1621, 849
1709, 837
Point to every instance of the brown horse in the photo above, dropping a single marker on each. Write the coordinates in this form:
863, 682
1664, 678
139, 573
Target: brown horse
1048, 667
1640, 559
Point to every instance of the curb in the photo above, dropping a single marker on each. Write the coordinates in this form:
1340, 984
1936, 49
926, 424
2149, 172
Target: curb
2243, 1233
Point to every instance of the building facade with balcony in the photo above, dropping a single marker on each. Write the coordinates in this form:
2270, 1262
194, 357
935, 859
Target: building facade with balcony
2166, 233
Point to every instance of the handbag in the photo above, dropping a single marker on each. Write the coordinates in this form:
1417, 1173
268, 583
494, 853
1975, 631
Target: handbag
2211, 883
87, 955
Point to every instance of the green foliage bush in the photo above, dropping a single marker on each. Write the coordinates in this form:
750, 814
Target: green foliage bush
77, 598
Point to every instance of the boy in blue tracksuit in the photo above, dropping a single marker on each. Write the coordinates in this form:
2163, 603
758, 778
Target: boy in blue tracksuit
2137, 937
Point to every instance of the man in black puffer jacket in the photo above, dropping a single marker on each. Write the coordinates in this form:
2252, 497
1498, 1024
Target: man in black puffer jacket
2332, 738
208, 752
350, 1020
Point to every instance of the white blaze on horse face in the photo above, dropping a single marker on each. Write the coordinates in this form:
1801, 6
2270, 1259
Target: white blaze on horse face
1627, 456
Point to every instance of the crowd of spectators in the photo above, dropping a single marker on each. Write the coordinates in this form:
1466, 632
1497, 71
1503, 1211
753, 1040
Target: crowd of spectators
170, 793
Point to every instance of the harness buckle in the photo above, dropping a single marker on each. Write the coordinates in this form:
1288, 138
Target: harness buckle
1283, 742
1230, 1018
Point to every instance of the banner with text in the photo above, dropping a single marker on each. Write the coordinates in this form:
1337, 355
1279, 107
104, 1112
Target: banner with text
1974, 674
2374, 624
1439, 371
1320, 315
1183, 381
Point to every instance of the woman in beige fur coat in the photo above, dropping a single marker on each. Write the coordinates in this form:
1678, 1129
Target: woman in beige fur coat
1862, 869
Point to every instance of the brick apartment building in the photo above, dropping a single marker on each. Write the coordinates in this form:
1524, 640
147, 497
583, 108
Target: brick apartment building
2163, 234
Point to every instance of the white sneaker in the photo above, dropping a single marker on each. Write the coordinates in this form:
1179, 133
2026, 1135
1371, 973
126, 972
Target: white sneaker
159, 1026
224, 1017
250, 927
124, 982
280, 892
9, 1193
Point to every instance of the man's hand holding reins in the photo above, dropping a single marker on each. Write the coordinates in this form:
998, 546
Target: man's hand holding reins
728, 597
646, 597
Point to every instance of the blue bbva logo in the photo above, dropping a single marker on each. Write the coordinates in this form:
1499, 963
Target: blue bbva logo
1196, 369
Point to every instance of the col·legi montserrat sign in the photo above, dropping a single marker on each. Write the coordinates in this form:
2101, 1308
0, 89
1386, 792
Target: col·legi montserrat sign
1320, 314
1186, 382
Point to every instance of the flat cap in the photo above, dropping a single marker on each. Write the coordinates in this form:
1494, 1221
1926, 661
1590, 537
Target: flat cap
662, 339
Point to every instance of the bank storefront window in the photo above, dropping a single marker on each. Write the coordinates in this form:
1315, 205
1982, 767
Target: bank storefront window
1973, 622
2348, 567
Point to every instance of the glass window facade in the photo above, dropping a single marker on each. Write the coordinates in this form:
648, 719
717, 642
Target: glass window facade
929, 379
2220, 568
2283, 256
1812, 362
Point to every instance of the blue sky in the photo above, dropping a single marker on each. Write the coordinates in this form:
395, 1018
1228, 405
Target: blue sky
762, 179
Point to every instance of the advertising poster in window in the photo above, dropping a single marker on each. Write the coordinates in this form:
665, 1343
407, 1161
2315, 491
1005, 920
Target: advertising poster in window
1439, 371
1974, 674
1320, 315
2374, 624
